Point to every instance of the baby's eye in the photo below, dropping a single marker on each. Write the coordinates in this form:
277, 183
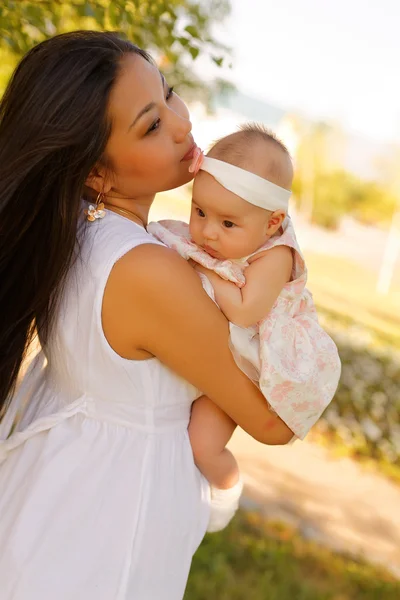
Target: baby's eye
228, 224
200, 212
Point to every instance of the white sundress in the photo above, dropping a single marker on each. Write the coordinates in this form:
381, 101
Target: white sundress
287, 354
99, 495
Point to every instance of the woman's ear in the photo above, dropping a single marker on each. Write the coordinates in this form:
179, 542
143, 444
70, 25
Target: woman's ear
275, 221
99, 180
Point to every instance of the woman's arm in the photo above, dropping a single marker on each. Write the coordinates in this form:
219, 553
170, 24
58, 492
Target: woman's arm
265, 278
154, 304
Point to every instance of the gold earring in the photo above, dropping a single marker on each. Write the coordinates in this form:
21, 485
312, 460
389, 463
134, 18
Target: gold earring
96, 211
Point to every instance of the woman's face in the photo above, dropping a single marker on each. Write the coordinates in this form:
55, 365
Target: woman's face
150, 147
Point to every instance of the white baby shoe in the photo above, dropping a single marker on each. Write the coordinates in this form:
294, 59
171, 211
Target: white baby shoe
224, 504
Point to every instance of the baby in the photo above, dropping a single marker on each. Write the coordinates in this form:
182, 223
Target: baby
243, 244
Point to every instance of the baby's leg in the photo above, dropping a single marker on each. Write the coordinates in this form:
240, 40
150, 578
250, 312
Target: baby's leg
210, 429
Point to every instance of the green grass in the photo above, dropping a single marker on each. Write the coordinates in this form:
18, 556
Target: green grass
347, 291
257, 560
338, 449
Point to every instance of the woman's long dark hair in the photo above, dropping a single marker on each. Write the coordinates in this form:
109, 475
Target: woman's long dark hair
53, 131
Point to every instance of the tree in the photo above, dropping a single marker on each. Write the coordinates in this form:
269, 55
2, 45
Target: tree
318, 155
391, 256
175, 31
326, 191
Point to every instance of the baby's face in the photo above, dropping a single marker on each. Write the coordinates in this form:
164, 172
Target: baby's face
223, 224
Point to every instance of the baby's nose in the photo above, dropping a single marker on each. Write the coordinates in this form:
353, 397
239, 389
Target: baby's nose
210, 232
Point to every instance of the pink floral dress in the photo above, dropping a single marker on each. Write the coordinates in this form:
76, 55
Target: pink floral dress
287, 354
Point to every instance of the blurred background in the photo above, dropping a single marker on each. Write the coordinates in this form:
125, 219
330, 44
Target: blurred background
320, 519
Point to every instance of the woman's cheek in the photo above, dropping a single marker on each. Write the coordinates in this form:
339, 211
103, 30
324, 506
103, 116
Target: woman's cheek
165, 157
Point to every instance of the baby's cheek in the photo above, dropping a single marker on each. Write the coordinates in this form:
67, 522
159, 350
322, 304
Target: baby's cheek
193, 230
238, 245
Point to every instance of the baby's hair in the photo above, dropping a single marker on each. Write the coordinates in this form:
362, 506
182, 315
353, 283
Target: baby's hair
258, 130
240, 149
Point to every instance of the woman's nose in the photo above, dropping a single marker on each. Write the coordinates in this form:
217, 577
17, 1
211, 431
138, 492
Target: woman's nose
182, 127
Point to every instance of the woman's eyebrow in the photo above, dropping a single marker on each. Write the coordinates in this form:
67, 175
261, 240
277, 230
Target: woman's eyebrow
147, 108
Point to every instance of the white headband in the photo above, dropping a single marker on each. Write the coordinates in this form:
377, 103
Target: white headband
250, 187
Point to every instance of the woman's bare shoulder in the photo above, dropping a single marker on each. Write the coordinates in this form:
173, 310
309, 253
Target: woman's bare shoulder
146, 285
150, 267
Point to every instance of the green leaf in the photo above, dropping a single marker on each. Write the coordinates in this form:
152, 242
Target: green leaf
113, 14
218, 60
88, 10
192, 30
99, 15
155, 25
194, 52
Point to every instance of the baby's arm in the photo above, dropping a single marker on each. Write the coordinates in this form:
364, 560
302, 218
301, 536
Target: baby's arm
265, 278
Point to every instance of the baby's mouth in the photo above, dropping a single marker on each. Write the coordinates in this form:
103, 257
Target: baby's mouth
211, 251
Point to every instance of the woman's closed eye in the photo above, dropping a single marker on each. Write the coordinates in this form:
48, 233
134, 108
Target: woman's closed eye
156, 124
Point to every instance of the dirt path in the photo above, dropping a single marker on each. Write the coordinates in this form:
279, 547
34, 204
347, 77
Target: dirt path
333, 501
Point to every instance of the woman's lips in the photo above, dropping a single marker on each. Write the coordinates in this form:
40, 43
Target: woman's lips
190, 153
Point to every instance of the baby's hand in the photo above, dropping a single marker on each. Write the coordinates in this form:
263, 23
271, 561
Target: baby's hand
192, 262
212, 276
197, 267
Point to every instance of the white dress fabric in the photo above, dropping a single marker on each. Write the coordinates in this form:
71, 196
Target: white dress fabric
99, 495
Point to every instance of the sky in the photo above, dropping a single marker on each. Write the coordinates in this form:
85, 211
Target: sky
331, 59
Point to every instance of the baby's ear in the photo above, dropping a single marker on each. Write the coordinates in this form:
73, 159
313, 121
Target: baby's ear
275, 221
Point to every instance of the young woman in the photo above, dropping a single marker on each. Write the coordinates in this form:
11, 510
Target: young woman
99, 495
